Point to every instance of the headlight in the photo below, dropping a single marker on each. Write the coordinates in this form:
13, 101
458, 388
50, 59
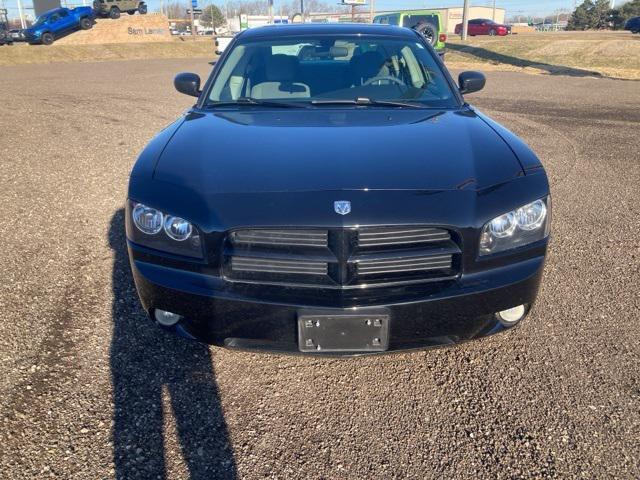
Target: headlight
155, 229
519, 227
148, 220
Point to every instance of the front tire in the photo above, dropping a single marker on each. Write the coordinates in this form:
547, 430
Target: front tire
142, 9
86, 23
114, 13
47, 38
492, 33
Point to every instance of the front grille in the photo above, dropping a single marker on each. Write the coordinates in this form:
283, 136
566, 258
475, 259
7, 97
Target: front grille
341, 257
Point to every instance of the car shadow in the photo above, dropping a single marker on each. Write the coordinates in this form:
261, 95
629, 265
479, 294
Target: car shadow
156, 376
494, 57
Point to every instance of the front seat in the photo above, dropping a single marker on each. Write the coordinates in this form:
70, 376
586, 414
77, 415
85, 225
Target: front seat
281, 72
366, 66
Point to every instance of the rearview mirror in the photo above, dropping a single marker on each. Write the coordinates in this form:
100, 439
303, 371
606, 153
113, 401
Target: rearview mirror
470, 82
187, 83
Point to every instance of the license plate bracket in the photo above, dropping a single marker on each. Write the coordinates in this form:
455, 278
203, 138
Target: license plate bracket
335, 332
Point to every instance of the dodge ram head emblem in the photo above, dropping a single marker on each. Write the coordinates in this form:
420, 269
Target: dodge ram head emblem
342, 207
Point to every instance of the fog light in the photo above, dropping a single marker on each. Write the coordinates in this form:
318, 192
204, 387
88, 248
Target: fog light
167, 319
512, 316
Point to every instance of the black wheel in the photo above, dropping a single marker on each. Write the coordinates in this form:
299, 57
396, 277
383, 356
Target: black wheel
142, 8
47, 38
429, 32
114, 13
131, 12
86, 23
492, 33
97, 6
635, 31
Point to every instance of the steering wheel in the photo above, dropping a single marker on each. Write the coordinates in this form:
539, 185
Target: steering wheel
395, 80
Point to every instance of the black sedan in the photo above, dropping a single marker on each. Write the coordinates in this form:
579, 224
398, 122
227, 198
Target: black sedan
331, 192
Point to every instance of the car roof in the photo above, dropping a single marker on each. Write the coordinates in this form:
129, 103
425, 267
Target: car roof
300, 29
53, 10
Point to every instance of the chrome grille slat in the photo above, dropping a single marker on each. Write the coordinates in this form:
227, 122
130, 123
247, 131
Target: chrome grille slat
295, 238
400, 235
248, 264
405, 265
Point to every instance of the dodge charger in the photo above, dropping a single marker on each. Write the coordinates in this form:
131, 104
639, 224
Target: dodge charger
332, 192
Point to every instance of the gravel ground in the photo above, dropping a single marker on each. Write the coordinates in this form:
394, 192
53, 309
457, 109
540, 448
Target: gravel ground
90, 390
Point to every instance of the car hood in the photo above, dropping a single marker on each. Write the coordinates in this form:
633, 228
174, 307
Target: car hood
252, 151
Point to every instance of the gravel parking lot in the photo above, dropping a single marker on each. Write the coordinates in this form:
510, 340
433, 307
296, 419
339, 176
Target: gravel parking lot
90, 389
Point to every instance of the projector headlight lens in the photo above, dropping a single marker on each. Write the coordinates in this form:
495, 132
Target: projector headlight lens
155, 229
177, 228
148, 220
519, 227
532, 215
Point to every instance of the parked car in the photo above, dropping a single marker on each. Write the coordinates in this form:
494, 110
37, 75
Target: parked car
222, 42
57, 22
483, 26
633, 24
114, 8
349, 203
5, 37
427, 22
17, 35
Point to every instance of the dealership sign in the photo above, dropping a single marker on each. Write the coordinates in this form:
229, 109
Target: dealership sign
354, 2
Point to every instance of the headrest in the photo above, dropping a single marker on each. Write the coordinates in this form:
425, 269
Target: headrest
367, 64
281, 68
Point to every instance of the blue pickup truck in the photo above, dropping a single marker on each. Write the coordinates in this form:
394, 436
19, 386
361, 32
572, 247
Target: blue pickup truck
58, 22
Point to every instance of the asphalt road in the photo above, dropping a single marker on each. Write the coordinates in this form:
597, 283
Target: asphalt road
89, 389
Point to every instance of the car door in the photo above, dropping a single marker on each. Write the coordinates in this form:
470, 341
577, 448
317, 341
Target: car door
53, 23
66, 21
472, 27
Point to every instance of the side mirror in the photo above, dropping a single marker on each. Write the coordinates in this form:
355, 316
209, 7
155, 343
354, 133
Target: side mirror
187, 83
470, 82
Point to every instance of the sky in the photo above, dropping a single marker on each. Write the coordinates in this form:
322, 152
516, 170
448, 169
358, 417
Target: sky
513, 7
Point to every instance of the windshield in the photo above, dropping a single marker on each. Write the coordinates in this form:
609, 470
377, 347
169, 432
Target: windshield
320, 69
40, 20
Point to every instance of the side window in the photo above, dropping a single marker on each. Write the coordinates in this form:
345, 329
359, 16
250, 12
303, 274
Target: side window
54, 18
383, 20
412, 20
63, 14
393, 19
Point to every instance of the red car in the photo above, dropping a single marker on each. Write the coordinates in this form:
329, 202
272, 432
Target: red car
482, 26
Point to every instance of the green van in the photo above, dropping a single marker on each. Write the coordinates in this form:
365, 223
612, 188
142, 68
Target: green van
427, 22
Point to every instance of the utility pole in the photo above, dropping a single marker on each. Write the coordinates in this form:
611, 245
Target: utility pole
372, 10
465, 19
270, 11
21, 13
494, 11
302, 9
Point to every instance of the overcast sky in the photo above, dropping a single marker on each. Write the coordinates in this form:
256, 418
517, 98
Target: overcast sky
513, 7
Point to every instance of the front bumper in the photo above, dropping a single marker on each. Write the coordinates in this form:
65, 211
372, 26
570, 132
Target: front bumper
248, 318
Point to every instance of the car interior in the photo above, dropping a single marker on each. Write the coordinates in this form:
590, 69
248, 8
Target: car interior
327, 70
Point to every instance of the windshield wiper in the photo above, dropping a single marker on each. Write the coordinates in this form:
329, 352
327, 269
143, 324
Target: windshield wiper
255, 101
368, 102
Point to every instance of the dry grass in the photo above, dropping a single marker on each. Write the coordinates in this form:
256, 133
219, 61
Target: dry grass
24, 54
610, 54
